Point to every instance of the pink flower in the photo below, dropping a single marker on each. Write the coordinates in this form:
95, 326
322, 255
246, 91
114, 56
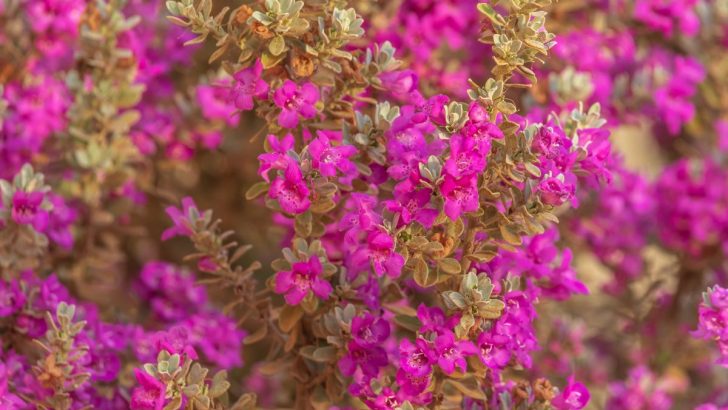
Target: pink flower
248, 85
433, 319
666, 16
294, 101
328, 159
214, 105
493, 350
713, 321
369, 330
416, 358
452, 353
278, 158
549, 141
12, 298
413, 205
412, 384
574, 397
27, 209
304, 277
434, 107
291, 190
149, 394
382, 255
175, 341
400, 83
180, 219
480, 128
217, 337
367, 358
60, 222
461, 195
467, 156
553, 191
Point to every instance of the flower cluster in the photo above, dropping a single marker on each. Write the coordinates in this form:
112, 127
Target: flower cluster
713, 320
449, 204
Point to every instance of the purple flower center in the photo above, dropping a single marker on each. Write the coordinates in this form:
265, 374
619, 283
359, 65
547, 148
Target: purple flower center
417, 360
294, 102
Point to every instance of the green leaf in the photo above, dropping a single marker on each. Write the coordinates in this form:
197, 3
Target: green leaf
219, 384
408, 322
197, 40
277, 45
506, 108
289, 316
490, 309
269, 60
173, 7
467, 321
174, 404
325, 354
422, 274
303, 224
468, 387
257, 336
510, 236
454, 300
256, 190
449, 265
490, 12
532, 169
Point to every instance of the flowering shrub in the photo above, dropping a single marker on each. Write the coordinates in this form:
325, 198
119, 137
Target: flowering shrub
424, 204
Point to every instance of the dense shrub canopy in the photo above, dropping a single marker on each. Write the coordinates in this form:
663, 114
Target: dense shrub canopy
351, 204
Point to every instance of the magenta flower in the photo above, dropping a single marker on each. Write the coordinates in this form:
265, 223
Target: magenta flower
60, 222
212, 100
382, 255
666, 16
719, 297
400, 82
304, 277
406, 137
416, 358
574, 397
149, 394
713, 321
295, 101
549, 141
369, 330
467, 156
451, 353
27, 209
248, 85
12, 298
480, 128
170, 290
328, 159
217, 337
434, 107
278, 158
433, 319
359, 218
291, 190
493, 350
412, 384
553, 191
641, 390
413, 206
175, 341
461, 195
369, 359
180, 219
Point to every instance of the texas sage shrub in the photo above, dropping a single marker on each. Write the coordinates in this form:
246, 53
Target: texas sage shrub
410, 204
